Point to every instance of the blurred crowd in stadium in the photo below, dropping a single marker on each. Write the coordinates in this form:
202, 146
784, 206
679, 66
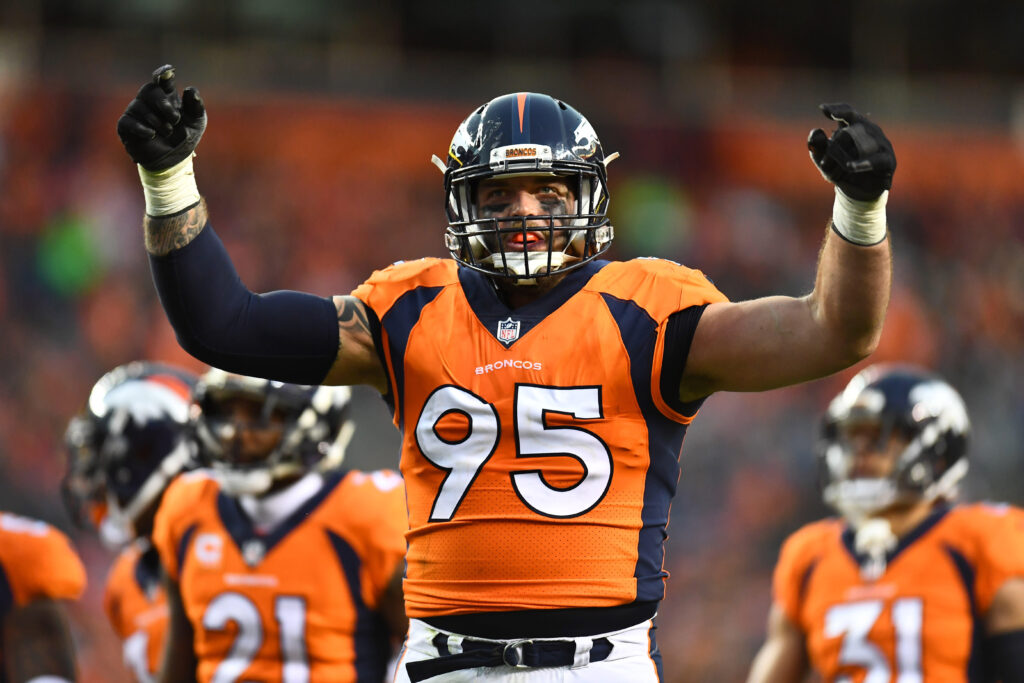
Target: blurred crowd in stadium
727, 190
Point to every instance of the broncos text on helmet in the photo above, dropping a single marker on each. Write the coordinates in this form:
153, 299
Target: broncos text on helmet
892, 400
522, 134
304, 428
125, 447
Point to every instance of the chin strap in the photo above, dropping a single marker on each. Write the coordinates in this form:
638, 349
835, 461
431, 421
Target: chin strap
523, 263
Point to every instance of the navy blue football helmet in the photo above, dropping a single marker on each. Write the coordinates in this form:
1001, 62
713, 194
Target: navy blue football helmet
894, 399
525, 134
126, 446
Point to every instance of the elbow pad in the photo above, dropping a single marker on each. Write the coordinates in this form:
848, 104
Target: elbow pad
285, 336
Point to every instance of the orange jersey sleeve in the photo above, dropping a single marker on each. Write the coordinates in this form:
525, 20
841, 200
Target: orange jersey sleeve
136, 606
545, 424
37, 561
174, 525
374, 525
992, 540
800, 552
664, 288
118, 577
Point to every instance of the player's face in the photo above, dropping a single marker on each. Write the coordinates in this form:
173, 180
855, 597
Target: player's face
248, 434
874, 451
524, 196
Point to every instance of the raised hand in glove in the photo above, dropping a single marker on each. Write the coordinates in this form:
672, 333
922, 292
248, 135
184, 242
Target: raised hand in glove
858, 158
160, 129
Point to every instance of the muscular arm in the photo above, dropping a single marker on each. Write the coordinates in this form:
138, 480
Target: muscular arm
284, 335
37, 642
783, 657
778, 341
179, 659
164, 234
357, 361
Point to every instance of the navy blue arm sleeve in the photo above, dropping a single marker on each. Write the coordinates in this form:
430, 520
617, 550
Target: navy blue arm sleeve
285, 336
1005, 657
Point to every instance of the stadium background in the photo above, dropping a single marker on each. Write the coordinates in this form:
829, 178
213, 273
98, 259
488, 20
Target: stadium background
323, 117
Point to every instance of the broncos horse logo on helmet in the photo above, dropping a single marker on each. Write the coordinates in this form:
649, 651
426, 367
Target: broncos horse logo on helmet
526, 134
125, 446
901, 400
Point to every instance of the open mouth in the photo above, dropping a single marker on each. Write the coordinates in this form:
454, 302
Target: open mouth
524, 240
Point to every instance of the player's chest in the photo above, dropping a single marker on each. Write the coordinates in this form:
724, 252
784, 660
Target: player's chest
917, 616
578, 343
221, 567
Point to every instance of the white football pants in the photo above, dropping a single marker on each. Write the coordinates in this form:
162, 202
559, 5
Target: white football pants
629, 660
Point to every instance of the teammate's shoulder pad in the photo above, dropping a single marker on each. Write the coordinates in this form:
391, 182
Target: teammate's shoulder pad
185, 491
986, 516
810, 537
39, 560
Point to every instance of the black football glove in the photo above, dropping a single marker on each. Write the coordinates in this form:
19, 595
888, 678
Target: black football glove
160, 128
858, 158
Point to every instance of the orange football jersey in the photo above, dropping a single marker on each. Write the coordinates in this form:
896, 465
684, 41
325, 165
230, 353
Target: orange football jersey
299, 602
136, 606
36, 562
539, 451
920, 619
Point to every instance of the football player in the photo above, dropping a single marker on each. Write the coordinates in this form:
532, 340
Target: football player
39, 570
542, 393
124, 448
280, 565
906, 585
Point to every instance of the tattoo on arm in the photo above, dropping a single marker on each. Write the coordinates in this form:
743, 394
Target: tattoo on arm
351, 316
164, 234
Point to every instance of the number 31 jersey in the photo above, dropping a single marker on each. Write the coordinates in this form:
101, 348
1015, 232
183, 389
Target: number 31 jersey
298, 603
539, 446
921, 616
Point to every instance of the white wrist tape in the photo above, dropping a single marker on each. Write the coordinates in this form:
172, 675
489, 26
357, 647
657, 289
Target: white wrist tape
171, 190
861, 222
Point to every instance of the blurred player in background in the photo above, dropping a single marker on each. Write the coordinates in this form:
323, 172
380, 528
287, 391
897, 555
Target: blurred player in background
906, 585
38, 571
124, 449
542, 394
281, 566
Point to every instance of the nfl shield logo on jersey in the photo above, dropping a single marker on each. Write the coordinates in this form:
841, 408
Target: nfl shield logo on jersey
508, 330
